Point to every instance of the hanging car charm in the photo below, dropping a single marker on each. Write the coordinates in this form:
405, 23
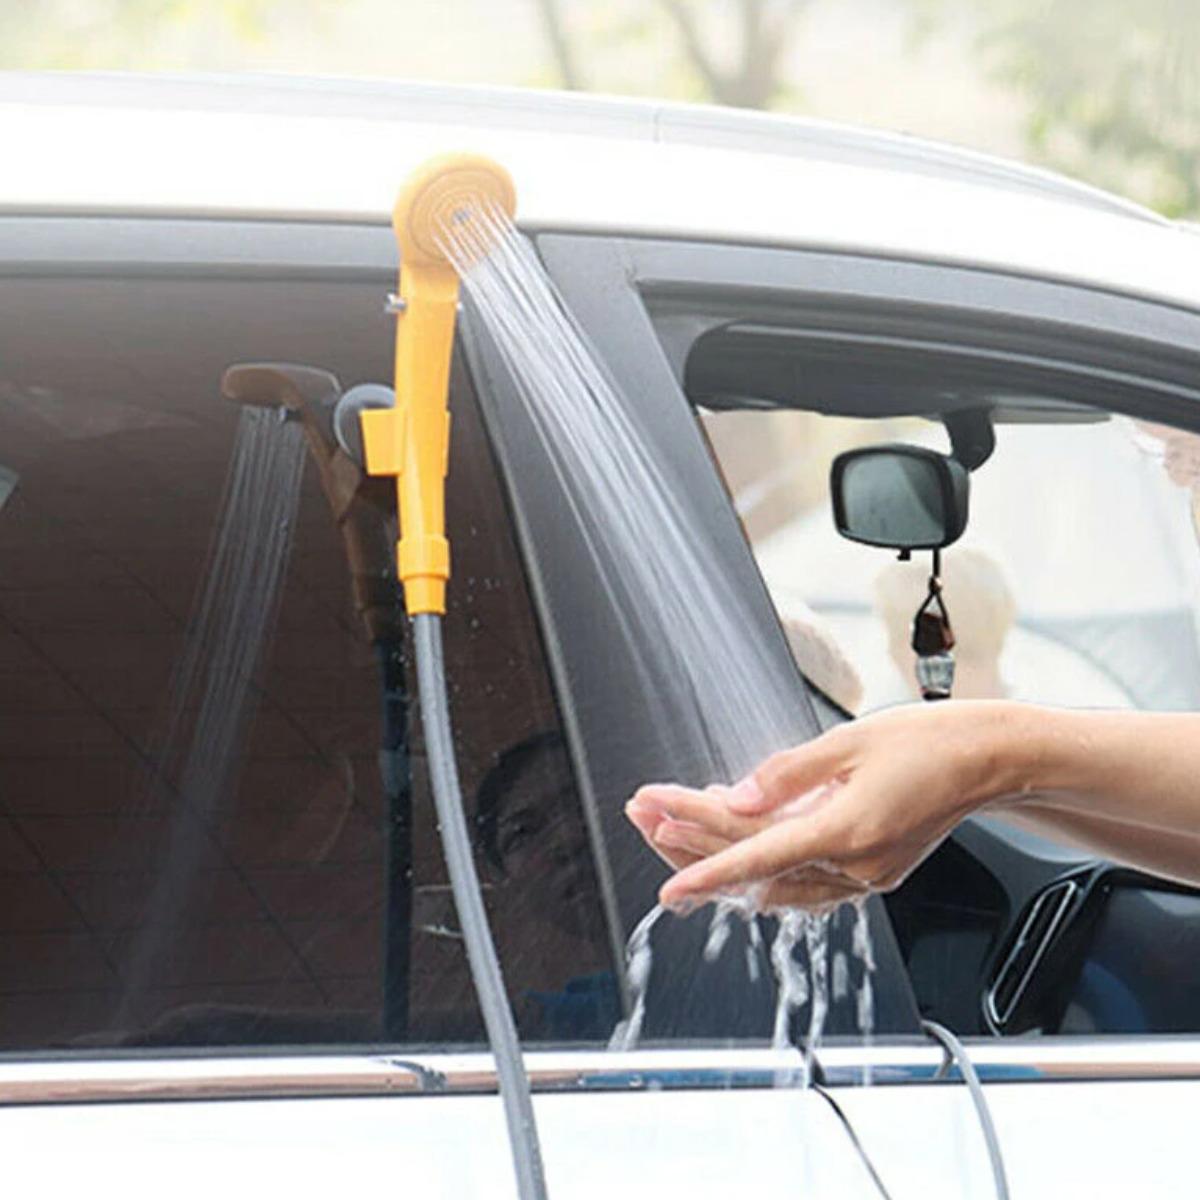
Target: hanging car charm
933, 640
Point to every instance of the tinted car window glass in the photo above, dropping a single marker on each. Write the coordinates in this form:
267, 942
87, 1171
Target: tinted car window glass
1075, 583
247, 903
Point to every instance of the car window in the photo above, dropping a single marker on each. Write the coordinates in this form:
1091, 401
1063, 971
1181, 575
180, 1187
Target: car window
1075, 583
201, 747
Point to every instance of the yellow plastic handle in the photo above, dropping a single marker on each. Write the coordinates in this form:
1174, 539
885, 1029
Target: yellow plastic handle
412, 440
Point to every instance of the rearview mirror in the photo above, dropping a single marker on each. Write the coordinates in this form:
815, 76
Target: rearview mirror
900, 497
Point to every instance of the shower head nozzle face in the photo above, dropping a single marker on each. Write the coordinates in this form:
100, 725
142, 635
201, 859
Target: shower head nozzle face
278, 385
444, 193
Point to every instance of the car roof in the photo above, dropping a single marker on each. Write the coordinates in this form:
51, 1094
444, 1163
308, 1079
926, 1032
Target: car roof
269, 148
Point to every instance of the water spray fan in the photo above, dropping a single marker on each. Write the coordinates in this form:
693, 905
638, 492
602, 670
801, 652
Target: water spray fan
412, 440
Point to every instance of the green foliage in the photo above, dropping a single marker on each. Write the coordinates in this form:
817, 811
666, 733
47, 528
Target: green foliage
1113, 87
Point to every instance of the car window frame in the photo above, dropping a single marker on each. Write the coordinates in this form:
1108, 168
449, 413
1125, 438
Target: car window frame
1120, 344
136, 247
132, 248
593, 703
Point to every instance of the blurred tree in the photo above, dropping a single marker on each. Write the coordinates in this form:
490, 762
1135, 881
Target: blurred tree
561, 45
734, 50
1113, 86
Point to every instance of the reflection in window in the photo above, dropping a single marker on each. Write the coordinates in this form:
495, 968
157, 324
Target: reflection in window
131, 913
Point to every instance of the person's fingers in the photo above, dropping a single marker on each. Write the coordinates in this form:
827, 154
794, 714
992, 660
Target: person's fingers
676, 835
807, 804
709, 810
811, 891
790, 774
646, 823
781, 847
660, 798
643, 819
677, 859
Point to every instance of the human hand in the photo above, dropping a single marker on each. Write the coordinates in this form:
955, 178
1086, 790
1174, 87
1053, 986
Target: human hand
854, 811
684, 826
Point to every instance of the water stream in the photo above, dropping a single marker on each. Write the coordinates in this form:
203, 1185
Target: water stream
211, 698
719, 713
639, 957
704, 666
816, 943
793, 990
865, 997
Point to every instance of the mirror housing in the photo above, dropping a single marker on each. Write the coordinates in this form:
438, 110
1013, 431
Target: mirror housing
899, 497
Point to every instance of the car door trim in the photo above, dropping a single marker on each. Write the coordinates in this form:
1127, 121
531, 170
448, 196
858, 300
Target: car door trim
89, 1081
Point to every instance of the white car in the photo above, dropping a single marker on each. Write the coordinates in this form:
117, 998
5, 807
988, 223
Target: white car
229, 960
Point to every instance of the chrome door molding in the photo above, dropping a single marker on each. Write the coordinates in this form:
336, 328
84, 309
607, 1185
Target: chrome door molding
65, 1081
62, 1081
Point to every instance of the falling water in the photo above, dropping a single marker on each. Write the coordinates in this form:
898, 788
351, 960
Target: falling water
195, 763
727, 710
816, 942
736, 706
719, 929
790, 978
638, 959
754, 950
865, 952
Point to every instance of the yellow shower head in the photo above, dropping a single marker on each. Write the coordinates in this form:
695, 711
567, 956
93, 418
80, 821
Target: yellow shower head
411, 442
447, 191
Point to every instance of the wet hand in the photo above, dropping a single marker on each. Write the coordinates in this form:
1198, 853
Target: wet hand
652, 820
685, 827
853, 811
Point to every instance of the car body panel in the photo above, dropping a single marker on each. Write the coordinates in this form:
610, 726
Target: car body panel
651, 1122
137, 146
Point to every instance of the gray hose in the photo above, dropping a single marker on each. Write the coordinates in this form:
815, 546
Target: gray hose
961, 1059
481, 953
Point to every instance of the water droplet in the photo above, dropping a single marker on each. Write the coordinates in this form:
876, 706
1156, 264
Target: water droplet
841, 976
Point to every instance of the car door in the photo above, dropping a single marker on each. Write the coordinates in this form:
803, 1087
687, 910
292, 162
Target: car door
230, 957
217, 970
754, 337
223, 888
259, 1041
